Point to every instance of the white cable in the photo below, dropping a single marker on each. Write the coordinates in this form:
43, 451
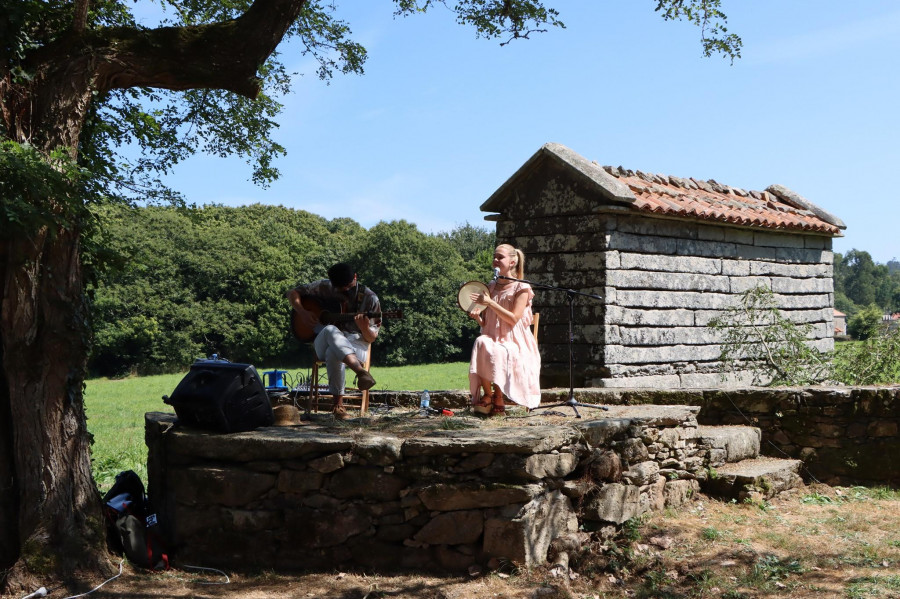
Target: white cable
41, 592
99, 585
227, 580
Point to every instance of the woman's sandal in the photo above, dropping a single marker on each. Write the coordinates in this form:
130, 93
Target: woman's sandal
498, 407
483, 406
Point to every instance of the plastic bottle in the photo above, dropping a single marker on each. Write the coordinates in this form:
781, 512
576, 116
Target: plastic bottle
424, 403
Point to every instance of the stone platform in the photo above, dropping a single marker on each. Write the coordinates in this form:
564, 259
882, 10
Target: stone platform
400, 491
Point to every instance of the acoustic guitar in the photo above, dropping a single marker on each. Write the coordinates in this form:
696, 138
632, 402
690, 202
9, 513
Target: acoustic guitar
329, 311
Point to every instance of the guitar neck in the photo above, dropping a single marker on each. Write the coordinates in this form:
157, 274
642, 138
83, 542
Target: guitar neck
332, 317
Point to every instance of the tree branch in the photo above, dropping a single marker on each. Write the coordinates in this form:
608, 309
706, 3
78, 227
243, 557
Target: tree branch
79, 20
225, 55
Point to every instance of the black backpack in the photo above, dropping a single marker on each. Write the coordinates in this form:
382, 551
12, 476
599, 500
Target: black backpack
132, 527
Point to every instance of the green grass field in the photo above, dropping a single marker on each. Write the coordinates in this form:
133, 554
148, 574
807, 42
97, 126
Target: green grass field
116, 407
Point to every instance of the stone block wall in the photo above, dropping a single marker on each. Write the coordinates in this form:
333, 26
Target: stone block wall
290, 498
662, 281
843, 435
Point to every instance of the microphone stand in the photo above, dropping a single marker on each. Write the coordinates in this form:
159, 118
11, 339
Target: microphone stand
570, 294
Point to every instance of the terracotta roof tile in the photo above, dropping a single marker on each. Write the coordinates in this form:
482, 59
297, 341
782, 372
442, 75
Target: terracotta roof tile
710, 200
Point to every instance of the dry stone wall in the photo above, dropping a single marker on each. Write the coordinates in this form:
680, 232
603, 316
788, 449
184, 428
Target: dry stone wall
843, 435
662, 282
290, 498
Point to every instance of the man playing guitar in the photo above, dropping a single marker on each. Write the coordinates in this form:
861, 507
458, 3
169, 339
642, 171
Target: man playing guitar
345, 343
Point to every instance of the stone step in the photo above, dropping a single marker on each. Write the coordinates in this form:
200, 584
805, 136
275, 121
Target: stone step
753, 479
729, 444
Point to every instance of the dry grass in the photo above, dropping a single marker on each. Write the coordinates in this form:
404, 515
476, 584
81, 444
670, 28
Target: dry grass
813, 542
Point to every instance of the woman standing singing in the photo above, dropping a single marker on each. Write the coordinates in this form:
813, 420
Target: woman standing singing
505, 359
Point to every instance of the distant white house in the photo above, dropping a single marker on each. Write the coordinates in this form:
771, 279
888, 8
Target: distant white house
840, 323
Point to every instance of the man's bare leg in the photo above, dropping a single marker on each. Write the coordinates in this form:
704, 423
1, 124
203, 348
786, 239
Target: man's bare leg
364, 379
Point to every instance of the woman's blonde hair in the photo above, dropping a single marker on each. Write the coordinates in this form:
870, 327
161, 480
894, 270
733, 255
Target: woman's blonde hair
520, 258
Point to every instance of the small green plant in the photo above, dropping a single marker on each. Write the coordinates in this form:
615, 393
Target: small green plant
864, 557
817, 498
878, 493
762, 504
619, 559
710, 534
631, 529
655, 580
705, 580
770, 568
874, 586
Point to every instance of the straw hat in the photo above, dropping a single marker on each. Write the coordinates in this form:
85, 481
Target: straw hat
286, 415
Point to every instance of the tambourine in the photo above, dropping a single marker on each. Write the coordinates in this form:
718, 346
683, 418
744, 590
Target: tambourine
464, 297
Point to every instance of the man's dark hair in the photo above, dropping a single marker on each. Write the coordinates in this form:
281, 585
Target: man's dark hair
341, 274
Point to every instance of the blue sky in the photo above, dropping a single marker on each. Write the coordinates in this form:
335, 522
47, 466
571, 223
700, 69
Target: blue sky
441, 119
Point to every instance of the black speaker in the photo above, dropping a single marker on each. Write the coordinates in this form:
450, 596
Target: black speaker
222, 396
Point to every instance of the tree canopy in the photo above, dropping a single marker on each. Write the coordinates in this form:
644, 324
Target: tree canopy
191, 282
860, 284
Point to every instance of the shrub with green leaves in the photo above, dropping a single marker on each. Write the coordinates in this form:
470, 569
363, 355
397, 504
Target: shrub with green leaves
875, 361
759, 339
865, 323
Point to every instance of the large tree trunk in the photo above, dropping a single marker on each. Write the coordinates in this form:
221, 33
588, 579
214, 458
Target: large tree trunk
50, 517
48, 502
51, 525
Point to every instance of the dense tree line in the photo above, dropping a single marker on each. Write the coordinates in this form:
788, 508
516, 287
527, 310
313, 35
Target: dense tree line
183, 283
865, 290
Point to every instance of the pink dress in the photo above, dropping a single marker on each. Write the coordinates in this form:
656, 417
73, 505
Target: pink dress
505, 354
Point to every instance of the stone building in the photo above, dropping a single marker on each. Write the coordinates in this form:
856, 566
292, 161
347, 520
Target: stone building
666, 255
840, 323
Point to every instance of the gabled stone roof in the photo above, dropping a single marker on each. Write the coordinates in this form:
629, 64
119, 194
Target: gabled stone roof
777, 207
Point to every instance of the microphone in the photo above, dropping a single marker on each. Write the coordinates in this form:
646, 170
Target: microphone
496, 274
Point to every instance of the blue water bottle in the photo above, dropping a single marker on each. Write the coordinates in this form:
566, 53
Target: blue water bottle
424, 403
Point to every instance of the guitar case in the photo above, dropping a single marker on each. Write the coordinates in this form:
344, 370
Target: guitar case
222, 396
